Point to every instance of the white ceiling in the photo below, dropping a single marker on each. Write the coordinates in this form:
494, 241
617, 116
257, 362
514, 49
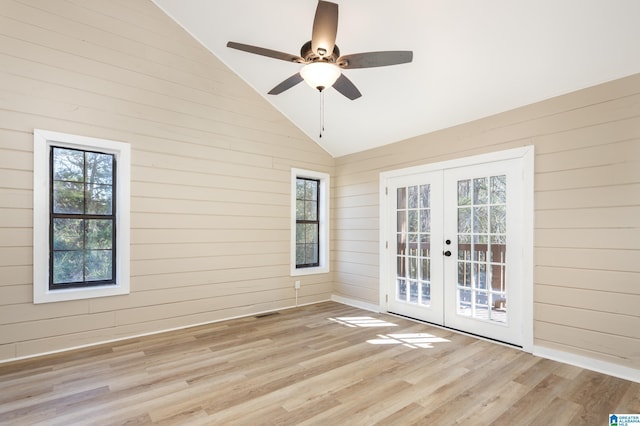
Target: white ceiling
472, 58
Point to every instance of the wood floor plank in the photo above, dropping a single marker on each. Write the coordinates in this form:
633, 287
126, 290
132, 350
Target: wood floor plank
630, 401
534, 402
560, 408
319, 364
596, 393
493, 404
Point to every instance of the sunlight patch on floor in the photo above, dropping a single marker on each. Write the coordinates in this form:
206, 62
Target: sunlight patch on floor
362, 322
411, 340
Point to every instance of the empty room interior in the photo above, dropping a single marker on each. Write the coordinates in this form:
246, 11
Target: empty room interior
311, 212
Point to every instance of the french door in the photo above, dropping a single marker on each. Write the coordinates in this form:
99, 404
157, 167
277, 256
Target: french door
454, 247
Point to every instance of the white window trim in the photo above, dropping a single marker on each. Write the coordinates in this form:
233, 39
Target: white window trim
325, 184
42, 141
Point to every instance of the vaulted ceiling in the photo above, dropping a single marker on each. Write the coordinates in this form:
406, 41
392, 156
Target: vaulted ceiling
472, 58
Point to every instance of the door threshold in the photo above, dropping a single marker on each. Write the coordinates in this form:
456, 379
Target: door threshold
444, 327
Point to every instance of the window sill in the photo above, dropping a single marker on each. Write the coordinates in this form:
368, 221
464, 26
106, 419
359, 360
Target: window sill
62, 295
309, 271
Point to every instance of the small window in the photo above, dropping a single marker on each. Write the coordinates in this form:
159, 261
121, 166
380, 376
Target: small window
310, 222
307, 222
81, 217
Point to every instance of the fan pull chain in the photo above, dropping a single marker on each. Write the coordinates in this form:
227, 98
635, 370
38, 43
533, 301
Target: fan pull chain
321, 112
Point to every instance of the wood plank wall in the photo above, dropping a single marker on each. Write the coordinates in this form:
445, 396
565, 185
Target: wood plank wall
587, 213
211, 164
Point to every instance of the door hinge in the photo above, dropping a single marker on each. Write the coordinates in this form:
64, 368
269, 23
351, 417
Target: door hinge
386, 190
386, 298
386, 244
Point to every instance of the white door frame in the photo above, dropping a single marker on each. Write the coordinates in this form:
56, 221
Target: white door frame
527, 155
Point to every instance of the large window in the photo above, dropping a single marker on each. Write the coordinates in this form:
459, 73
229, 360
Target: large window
310, 222
83, 212
81, 217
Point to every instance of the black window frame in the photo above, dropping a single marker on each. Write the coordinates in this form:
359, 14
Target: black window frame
113, 216
307, 221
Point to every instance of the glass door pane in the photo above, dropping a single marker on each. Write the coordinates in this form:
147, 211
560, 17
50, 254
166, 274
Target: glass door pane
413, 244
481, 235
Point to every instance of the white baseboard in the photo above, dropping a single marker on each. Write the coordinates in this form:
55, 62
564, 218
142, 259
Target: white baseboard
355, 303
599, 366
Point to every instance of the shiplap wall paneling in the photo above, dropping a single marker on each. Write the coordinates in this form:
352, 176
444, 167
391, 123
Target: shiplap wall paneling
211, 164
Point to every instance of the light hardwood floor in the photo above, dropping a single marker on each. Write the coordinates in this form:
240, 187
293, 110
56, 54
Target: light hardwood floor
325, 364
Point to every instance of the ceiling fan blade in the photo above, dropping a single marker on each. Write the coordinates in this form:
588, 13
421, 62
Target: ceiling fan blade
287, 84
265, 52
325, 28
375, 59
346, 87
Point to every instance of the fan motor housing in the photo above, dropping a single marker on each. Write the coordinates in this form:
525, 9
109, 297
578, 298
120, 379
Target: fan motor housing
310, 56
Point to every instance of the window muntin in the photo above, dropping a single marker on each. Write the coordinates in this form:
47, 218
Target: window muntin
82, 218
307, 222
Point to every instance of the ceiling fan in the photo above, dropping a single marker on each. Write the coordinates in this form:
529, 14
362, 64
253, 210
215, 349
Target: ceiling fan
323, 64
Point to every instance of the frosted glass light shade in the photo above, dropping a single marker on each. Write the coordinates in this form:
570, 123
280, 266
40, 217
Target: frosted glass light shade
320, 75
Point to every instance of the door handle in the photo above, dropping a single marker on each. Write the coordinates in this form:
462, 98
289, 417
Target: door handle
447, 253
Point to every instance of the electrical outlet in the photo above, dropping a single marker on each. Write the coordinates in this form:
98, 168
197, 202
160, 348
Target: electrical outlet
297, 285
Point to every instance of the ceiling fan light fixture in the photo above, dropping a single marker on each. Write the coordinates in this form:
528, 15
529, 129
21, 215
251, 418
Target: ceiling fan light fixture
320, 75
322, 57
